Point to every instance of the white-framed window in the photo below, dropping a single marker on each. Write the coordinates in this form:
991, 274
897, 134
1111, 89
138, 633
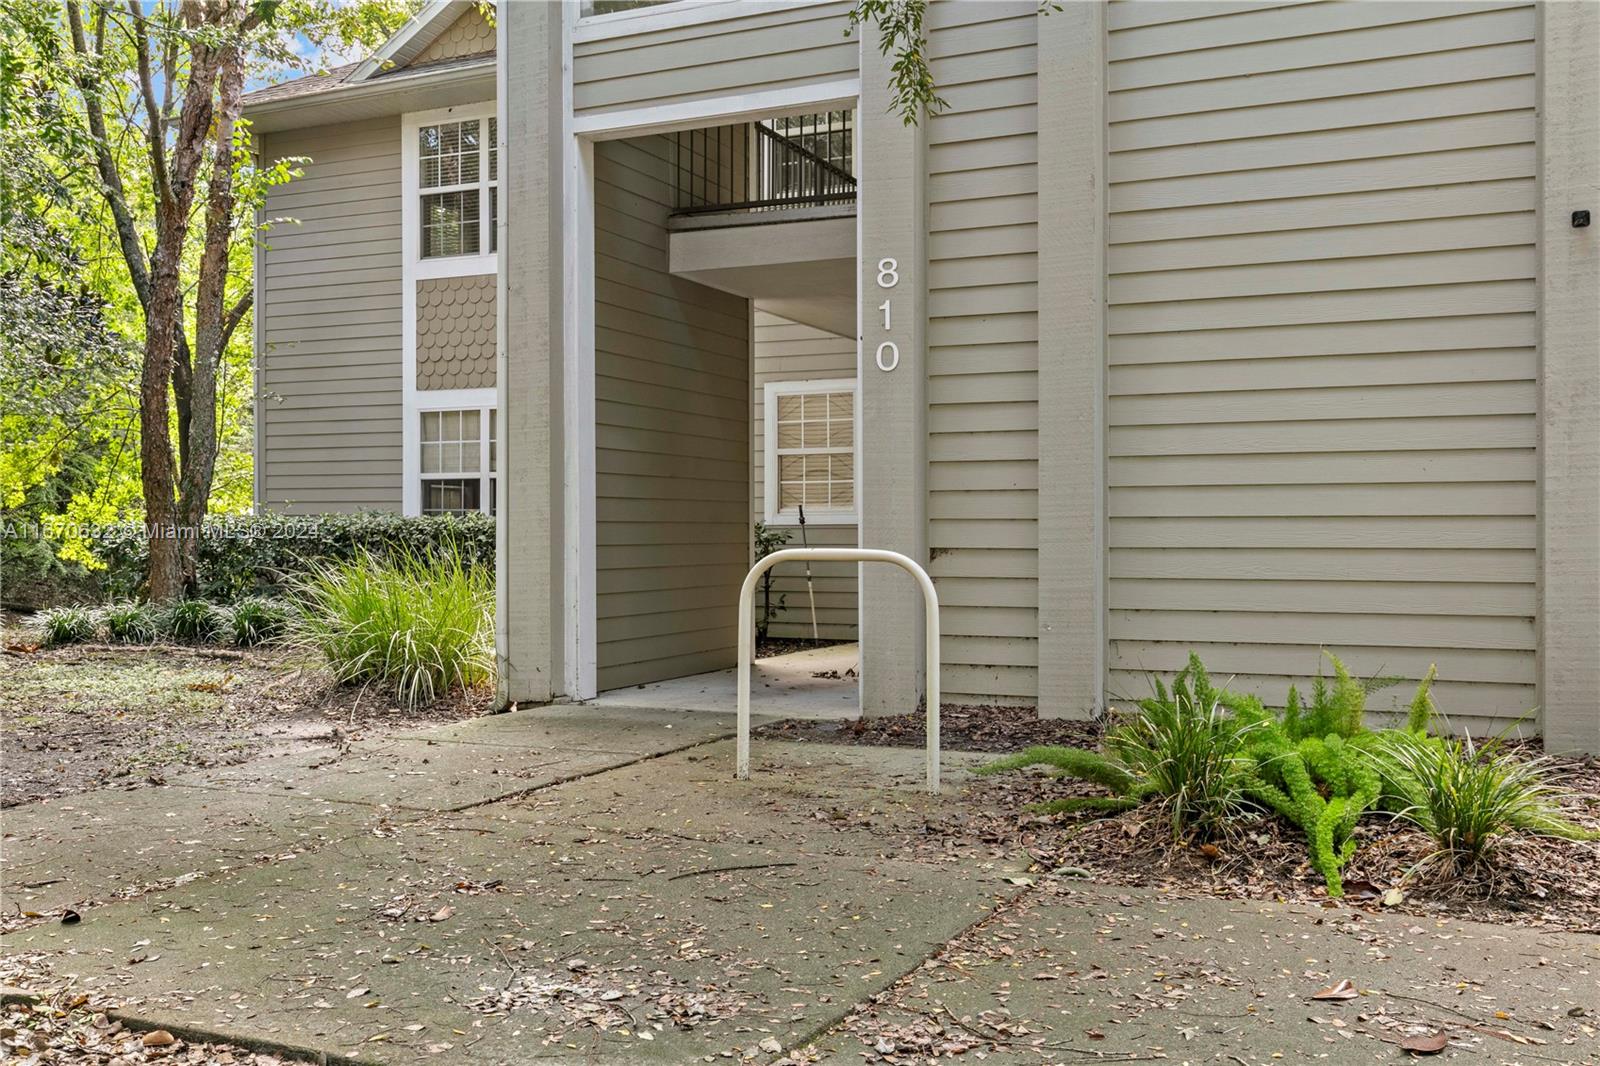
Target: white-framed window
809, 451
458, 186
458, 460
450, 171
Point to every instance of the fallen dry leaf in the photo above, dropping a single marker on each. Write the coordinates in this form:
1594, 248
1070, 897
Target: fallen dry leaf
158, 1038
1341, 989
1430, 1044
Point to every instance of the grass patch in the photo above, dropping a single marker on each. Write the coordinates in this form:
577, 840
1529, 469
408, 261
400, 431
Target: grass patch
256, 621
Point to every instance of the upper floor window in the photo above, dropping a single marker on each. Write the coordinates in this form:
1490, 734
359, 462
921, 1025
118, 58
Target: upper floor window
458, 175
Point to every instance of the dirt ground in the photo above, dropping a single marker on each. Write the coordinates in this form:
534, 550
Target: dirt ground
95, 716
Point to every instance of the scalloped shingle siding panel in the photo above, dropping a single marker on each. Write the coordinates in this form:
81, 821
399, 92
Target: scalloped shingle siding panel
455, 332
469, 35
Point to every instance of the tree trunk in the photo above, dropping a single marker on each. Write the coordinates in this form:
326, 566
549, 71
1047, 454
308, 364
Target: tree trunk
156, 472
211, 317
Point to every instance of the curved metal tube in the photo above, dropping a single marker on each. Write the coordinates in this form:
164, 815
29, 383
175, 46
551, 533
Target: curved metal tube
747, 625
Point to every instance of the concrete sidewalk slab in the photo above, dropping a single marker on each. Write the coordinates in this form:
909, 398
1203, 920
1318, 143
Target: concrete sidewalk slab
1131, 972
108, 845
844, 800
742, 941
415, 775
565, 728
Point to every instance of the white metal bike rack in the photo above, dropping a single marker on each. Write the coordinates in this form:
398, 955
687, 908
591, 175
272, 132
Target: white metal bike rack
747, 625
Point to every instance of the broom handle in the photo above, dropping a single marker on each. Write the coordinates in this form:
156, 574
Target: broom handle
811, 592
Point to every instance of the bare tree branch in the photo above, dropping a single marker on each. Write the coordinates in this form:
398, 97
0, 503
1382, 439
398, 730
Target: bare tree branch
231, 323
110, 178
155, 116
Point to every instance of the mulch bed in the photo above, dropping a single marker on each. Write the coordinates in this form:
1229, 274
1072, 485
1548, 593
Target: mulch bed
961, 728
1532, 881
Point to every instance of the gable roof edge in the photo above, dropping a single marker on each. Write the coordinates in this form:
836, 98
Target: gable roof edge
409, 41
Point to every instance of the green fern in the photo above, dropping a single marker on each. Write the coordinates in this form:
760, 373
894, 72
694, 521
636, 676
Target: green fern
1420, 715
1071, 762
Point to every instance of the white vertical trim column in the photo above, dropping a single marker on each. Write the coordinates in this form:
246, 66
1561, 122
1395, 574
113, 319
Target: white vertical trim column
1072, 373
1569, 402
529, 543
892, 486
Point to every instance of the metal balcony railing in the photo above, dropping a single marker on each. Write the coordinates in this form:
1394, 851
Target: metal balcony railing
773, 164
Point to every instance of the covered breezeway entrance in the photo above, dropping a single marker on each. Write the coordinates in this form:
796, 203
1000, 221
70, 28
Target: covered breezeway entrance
696, 233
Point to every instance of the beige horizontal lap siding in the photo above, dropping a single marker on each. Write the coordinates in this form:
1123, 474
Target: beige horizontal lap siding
1320, 308
672, 444
330, 294
983, 347
789, 351
752, 51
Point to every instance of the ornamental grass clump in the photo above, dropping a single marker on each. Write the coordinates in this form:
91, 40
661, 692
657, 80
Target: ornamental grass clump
1466, 796
255, 621
416, 625
67, 625
191, 622
1181, 752
129, 623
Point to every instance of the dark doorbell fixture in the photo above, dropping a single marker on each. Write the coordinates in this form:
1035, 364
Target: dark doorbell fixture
1580, 219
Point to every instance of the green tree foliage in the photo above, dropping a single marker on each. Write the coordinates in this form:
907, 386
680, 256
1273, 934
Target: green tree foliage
901, 34
90, 125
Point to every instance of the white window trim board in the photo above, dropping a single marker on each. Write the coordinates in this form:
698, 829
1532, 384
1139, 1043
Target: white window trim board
451, 266
772, 514
413, 269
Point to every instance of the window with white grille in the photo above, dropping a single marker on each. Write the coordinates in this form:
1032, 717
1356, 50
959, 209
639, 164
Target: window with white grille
458, 461
457, 179
810, 450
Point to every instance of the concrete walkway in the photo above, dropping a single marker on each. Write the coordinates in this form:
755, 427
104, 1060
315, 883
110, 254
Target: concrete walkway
810, 683
588, 885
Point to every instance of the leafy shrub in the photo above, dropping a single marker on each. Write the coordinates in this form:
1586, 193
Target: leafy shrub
32, 574
1465, 796
768, 540
1181, 749
415, 624
130, 623
264, 555
255, 620
67, 625
191, 622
